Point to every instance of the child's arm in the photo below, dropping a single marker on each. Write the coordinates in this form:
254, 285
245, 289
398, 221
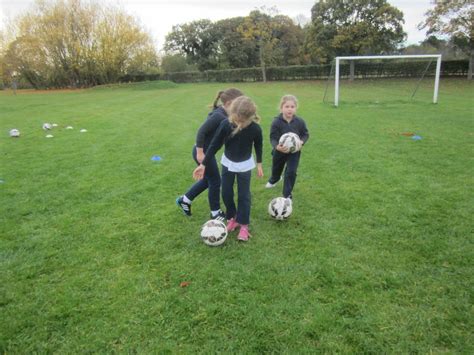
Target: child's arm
216, 144
210, 125
258, 144
199, 154
217, 141
304, 134
275, 134
259, 170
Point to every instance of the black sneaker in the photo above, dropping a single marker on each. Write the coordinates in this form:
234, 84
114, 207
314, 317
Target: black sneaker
185, 207
220, 216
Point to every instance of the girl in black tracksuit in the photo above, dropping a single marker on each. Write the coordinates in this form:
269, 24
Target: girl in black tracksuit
286, 122
212, 179
240, 134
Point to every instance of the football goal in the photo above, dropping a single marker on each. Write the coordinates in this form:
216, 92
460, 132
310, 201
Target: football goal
383, 78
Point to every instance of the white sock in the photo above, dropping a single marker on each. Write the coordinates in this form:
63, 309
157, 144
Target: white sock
187, 200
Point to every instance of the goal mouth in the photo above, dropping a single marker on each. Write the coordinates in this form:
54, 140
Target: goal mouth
380, 79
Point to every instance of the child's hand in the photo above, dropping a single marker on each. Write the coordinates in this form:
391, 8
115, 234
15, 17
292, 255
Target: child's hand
198, 173
259, 170
282, 148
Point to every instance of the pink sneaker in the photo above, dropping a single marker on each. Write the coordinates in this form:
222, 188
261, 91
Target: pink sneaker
244, 233
232, 224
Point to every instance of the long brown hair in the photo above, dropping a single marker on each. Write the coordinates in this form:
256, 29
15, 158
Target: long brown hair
242, 113
226, 96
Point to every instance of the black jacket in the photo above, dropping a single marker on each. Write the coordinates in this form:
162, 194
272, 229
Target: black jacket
238, 148
209, 127
280, 126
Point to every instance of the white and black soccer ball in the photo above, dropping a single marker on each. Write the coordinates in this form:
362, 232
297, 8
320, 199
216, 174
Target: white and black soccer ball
14, 133
291, 141
47, 126
280, 208
214, 233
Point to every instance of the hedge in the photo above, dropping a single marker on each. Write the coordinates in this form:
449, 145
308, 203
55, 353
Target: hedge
451, 68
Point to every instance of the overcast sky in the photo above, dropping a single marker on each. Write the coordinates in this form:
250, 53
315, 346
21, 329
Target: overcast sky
158, 16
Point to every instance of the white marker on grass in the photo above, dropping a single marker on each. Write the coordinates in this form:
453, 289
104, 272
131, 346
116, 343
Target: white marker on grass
14, 133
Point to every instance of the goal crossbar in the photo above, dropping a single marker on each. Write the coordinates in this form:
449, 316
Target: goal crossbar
419, 56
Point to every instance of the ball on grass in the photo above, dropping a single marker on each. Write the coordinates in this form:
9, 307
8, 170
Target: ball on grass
280, 208
214, 233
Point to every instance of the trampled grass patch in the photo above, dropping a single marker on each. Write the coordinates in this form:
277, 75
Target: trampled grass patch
377, 256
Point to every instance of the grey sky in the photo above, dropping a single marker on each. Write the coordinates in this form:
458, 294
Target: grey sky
158, 16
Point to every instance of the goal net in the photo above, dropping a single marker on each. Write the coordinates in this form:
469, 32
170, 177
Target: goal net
380, 79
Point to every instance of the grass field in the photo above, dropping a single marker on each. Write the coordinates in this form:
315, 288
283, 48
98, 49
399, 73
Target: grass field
376, 258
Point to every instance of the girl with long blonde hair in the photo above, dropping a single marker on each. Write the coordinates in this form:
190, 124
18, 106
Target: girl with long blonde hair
240, 134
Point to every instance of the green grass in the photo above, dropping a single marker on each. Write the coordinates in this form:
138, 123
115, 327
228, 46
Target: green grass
376, 258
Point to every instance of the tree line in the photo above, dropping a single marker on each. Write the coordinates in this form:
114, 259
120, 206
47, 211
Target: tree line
80, 43
265, 39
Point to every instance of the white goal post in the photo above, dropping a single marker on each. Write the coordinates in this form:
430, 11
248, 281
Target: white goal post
354, 58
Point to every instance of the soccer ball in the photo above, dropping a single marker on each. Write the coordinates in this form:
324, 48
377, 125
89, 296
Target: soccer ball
14, 133
47, 126
280, 208
291, 141
214, 233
